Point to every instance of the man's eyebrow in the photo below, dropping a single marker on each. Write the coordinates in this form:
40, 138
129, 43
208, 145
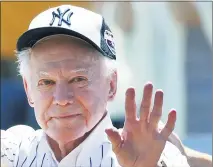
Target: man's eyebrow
79, 70
43, 73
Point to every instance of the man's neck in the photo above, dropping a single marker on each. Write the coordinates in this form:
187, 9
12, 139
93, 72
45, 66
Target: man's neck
61, 150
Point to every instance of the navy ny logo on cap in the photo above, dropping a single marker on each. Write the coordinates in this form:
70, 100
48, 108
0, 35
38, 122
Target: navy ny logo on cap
60, 16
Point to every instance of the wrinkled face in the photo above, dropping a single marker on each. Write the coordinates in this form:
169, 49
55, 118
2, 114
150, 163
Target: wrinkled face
68, 87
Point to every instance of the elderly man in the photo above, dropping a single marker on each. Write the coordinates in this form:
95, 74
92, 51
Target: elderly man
67, 60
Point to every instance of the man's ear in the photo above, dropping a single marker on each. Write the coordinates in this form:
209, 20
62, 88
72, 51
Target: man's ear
113, 86
28, 92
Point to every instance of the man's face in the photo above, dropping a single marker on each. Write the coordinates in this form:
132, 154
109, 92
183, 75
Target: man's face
68, 87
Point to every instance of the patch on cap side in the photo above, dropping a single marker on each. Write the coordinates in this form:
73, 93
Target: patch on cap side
108, 36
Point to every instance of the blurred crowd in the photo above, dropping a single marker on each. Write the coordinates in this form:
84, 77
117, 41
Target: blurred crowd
168, 43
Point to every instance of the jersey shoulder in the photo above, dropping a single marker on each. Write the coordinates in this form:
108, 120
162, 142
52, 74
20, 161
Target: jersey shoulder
11, 140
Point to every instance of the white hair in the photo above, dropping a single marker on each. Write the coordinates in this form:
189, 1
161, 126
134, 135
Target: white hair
23, 60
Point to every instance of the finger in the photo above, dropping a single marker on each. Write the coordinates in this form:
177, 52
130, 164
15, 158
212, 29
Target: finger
170, 125
130, 105
146, 102
157, 109
115, 138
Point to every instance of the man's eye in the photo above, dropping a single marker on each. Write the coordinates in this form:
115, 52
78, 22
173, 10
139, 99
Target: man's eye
78, 79
45, 82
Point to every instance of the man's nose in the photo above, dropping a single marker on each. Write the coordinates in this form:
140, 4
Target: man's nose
63, 95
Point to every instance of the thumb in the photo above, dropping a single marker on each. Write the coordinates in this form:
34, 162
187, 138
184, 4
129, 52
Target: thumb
114, 137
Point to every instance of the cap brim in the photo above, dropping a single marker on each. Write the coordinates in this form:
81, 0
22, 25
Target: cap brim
30, 37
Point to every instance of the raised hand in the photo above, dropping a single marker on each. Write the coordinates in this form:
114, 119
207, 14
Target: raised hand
140, 143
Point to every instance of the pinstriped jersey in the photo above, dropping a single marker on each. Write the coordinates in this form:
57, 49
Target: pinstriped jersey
21, 146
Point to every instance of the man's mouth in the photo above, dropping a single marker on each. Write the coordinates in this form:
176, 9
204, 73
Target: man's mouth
67, 116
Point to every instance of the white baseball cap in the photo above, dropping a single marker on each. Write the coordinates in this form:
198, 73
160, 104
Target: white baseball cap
70, 20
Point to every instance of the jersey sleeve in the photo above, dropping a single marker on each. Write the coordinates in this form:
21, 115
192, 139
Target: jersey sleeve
10, 142
172, 157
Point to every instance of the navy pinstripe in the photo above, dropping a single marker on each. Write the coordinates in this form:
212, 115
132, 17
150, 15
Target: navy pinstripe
90, 159
32, 161
18, 155
43, 160
24, 162
102, 151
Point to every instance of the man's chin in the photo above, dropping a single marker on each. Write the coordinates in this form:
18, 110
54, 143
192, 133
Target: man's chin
64, 134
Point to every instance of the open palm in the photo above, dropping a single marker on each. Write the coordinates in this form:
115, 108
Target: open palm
140, 143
